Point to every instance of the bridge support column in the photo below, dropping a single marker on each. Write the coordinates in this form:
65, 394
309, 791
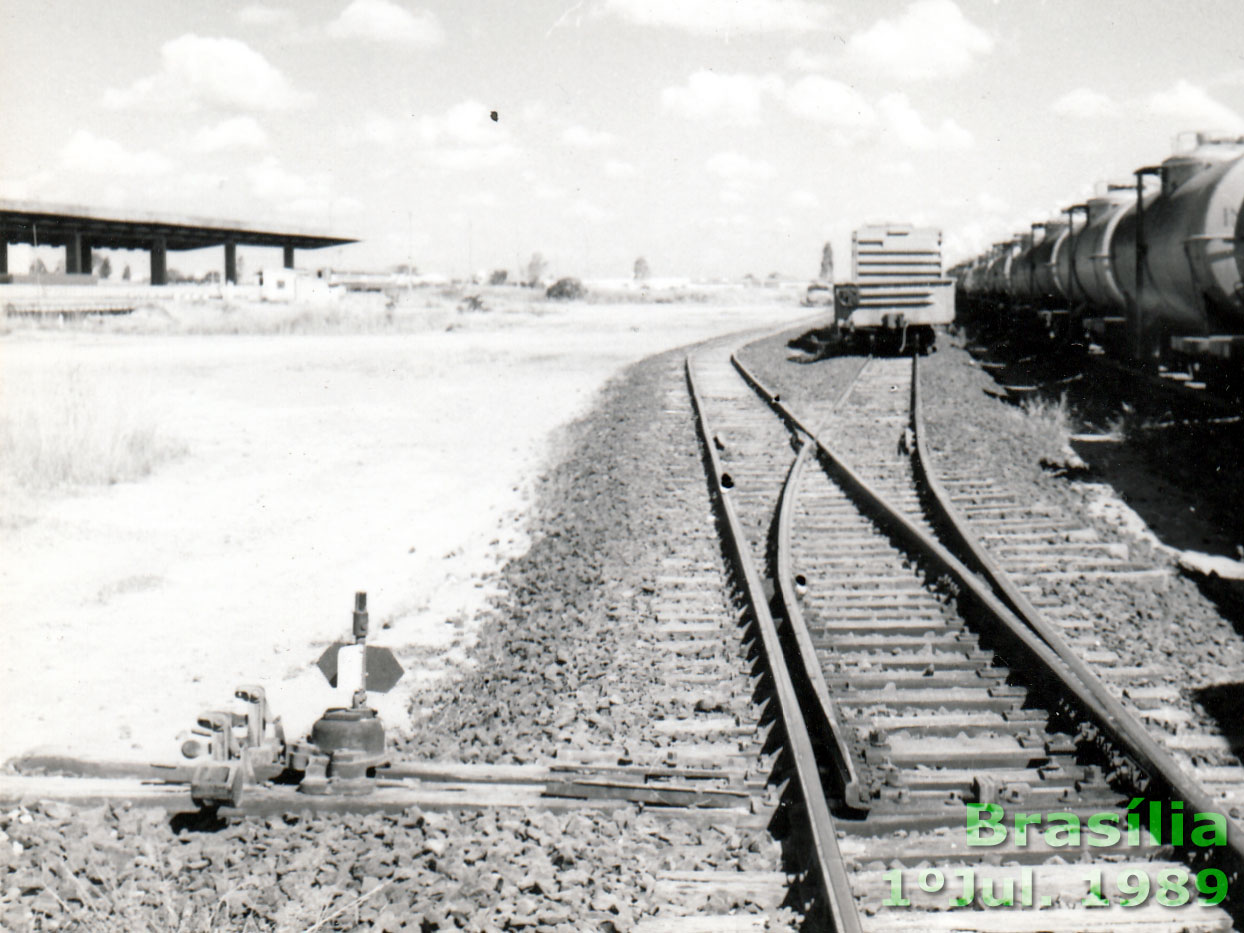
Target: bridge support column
289, 257
73, 253
4, 253
159, 261
84, 264
231, 263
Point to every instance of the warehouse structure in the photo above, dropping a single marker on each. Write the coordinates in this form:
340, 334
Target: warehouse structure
80, 230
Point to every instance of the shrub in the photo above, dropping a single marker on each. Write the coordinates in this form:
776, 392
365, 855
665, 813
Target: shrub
70, 427
567, 289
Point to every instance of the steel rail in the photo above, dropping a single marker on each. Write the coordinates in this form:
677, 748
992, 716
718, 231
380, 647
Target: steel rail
830, 868
853, 791
1109, 717
1155, 759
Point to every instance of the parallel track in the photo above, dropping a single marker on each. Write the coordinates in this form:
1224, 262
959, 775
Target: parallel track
897, 651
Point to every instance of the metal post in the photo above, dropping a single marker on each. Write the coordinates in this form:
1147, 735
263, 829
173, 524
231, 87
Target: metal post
73, 253
1074, 283
360, 638
231, 262
159, 261
288, 257
1140, 343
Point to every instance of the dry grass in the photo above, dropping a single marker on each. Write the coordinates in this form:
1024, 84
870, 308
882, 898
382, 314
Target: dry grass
1048, 416
1049, 425
67, 426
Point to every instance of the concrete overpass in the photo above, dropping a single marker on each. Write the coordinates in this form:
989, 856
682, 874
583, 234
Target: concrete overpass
81, 229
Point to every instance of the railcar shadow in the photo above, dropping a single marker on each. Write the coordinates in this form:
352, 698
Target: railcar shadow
1226, 595
1174, 462
1225, 703
814, 345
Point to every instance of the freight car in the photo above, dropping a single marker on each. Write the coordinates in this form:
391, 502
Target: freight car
898, 293
1150, 273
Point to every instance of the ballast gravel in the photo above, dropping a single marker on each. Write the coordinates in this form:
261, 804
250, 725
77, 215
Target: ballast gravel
560, 669
1172, 631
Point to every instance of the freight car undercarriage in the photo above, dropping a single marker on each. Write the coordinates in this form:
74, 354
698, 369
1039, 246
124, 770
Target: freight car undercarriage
1212, 362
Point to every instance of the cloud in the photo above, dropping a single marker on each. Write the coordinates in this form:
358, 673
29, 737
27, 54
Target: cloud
385, 21
258, 14
579, 137
463, 137
899, 169
86, 152
930, 39
589, 211
824, 100
905, 125
991, 203
735, 99
1194, 105
723, 17
468, 122
802, 60
270, 181
616, 168
199, 71
1085, 104
734, 168
803, 198
546, 192
242, 132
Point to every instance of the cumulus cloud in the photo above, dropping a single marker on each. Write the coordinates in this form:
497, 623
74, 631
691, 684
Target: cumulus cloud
908, 128
462, 137
804, 199
86, 152
616, 168
385, 21
824, 100
467, 123
546, 192
736, 99
1195, 107
242, 132
579, 137
732, 167
308, 195
202, 71
258, 14
1085, 104
930, 39
723, 17
802, 60
271, 181
587, 210
900, 168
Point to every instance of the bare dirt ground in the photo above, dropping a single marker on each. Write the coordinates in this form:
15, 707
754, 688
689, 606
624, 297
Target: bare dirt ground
288, 471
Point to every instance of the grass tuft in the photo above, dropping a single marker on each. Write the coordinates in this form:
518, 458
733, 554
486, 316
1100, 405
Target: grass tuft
70, 427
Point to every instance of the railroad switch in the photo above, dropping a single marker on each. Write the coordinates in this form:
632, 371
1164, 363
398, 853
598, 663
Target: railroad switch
340, 756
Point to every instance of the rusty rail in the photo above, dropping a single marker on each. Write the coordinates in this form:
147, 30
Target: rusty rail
829, 866
1045, 653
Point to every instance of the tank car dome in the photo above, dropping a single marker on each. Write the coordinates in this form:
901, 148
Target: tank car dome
1239, 241
1206, 152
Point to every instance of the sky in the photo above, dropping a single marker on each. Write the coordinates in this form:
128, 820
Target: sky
714, 138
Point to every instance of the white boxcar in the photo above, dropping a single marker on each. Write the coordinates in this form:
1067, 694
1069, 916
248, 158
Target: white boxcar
897, 285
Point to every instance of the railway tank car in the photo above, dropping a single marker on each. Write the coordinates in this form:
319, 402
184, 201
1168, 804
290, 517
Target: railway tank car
1150, 273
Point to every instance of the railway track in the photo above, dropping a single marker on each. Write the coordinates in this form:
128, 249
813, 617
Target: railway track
929, 693
842, 636
643, 745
